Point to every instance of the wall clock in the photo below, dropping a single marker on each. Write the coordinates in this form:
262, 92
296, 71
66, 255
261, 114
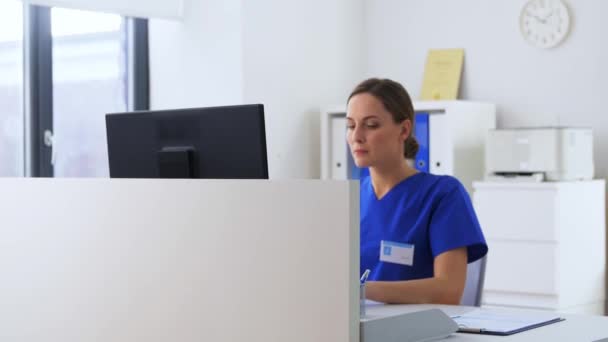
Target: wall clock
544, 23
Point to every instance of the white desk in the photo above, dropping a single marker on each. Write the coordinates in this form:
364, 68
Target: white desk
574, 328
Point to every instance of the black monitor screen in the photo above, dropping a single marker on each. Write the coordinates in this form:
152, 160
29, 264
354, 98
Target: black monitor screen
214, 142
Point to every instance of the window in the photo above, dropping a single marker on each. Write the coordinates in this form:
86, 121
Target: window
59, 75
89, 81
11, 89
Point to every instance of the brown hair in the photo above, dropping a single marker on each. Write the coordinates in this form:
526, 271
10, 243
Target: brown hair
397, 101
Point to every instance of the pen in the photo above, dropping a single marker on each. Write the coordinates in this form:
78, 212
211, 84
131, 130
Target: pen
470, 330
364, 276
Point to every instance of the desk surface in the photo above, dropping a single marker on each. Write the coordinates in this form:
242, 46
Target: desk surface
574, 328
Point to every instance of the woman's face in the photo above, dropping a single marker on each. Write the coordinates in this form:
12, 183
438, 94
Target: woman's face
373, 136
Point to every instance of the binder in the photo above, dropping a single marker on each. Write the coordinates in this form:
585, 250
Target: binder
354, 172
421, 132
492, 322
339, 149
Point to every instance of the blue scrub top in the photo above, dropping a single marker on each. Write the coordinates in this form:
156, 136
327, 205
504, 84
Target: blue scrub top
433, 213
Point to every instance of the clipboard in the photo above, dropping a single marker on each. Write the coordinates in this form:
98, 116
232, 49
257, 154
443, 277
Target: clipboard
502, 323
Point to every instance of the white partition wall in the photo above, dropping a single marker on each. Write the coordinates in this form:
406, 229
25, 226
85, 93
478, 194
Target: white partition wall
178, 260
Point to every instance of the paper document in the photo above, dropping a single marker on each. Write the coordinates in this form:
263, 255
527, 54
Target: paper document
493, 322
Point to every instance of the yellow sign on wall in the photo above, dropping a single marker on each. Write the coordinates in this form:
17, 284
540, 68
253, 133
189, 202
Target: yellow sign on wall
442, 74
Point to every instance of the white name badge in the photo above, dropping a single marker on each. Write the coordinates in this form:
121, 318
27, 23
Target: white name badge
397, 253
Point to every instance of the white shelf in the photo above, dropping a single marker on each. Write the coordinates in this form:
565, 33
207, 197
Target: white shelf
457, 136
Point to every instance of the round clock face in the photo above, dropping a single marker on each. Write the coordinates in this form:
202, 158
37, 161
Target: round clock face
544, 23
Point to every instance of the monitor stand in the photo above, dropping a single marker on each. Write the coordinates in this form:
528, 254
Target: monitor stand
176, 162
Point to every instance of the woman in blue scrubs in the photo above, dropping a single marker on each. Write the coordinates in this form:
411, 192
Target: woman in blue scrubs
418, 230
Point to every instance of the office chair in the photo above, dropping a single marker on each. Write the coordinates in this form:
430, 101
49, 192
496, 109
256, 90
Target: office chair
476, 272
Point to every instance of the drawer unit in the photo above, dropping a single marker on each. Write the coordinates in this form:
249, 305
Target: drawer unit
517, 214
547, 244
531, 267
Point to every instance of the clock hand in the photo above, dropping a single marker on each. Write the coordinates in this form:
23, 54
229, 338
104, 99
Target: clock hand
549, 15
538, 18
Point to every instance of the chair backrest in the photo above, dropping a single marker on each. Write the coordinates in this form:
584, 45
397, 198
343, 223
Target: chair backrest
476, 272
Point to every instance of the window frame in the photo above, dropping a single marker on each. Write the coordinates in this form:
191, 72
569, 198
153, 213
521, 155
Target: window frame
38, 83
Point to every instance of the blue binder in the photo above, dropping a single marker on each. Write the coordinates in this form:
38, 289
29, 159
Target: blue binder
421, 132
355, 172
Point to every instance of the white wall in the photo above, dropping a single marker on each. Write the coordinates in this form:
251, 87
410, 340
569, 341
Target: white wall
295, 56
197, 61
531, 87
292, 56
298, 56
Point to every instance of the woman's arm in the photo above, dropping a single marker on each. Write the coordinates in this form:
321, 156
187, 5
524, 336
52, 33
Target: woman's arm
446, 286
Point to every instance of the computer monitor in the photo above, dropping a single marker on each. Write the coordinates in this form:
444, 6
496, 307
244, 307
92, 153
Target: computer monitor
214, 142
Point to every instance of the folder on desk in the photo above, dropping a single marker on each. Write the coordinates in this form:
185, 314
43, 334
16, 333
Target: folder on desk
493, 322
